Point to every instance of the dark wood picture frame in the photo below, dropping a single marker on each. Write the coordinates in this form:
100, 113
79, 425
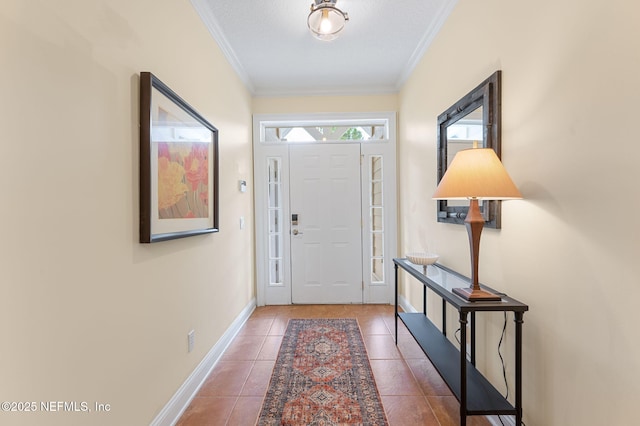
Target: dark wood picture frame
487, 95
178, 166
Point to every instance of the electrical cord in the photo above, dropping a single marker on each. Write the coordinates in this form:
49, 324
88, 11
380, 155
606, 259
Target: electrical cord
500, 418
504, 370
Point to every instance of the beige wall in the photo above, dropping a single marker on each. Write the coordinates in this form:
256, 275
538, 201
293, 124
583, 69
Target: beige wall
86, 312
570, 249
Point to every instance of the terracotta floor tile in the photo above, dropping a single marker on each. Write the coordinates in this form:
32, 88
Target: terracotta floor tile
234, 391
391, 324
208, 411
246, 411
372, 324
256, 327
447, 410
381, 346
329, 311
428, 377
409, 348
393, 377
244, 348
270, 348
258, 380
226, 379
292, 311
279, 326
408, 411
265, 312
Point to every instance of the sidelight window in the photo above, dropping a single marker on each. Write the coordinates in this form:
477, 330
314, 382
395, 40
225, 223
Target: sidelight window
275, 213
376, 212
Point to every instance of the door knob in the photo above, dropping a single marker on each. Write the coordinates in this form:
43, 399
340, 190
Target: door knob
296, 232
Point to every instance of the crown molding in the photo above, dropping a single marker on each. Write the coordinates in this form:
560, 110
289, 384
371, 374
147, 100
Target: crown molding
317, 91
210, 21
441, 16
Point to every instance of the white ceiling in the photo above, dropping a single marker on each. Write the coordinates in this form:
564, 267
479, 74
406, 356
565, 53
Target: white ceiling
270, 47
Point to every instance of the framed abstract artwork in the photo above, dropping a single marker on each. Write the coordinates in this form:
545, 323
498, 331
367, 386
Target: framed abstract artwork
178, 166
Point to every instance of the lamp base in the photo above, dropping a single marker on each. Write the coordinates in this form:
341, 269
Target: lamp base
468, 293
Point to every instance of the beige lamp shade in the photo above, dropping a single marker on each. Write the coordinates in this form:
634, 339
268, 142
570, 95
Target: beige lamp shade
476, 173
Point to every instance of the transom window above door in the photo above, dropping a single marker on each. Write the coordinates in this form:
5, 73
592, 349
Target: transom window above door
329, 133
333, 131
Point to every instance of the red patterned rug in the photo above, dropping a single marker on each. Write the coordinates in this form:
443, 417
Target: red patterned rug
322, 377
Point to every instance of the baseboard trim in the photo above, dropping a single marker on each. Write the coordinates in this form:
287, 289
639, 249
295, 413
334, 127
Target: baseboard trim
405, 305
506, 420
172, 411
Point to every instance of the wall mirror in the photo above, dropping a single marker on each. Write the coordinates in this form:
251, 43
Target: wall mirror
474, 118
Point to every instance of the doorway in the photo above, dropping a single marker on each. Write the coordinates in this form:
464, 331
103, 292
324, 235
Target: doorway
326, 231
325, 208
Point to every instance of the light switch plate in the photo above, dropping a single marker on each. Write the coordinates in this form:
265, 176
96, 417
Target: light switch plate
191, 338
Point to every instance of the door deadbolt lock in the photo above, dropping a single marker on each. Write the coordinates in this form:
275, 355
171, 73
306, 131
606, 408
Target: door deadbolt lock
294, 219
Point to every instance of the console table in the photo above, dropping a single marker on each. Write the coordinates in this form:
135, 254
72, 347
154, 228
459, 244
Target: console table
476, 395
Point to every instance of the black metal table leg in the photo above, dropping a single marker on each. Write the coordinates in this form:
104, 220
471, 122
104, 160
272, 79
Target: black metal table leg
444, 317
473, 338
424, 300
396, 315
463, 368
518, 318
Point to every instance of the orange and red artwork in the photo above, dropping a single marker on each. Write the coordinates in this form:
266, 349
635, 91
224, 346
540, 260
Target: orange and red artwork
183, 180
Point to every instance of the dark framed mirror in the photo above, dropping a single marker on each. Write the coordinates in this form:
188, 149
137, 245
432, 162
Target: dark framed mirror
476, 117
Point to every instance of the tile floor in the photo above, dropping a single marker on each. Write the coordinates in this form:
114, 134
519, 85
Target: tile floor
412, 392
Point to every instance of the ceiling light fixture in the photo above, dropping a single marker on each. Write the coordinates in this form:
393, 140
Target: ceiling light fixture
325, 20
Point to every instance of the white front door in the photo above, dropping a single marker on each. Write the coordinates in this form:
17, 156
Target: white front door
326, 242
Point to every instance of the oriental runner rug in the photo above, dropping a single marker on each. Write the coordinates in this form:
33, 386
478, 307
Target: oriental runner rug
322, 377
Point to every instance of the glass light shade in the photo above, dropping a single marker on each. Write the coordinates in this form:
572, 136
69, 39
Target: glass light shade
476, 173
326, 21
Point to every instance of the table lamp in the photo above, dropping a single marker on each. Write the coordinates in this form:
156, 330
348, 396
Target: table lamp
474, 174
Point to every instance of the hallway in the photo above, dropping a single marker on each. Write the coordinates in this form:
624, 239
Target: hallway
411, 390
